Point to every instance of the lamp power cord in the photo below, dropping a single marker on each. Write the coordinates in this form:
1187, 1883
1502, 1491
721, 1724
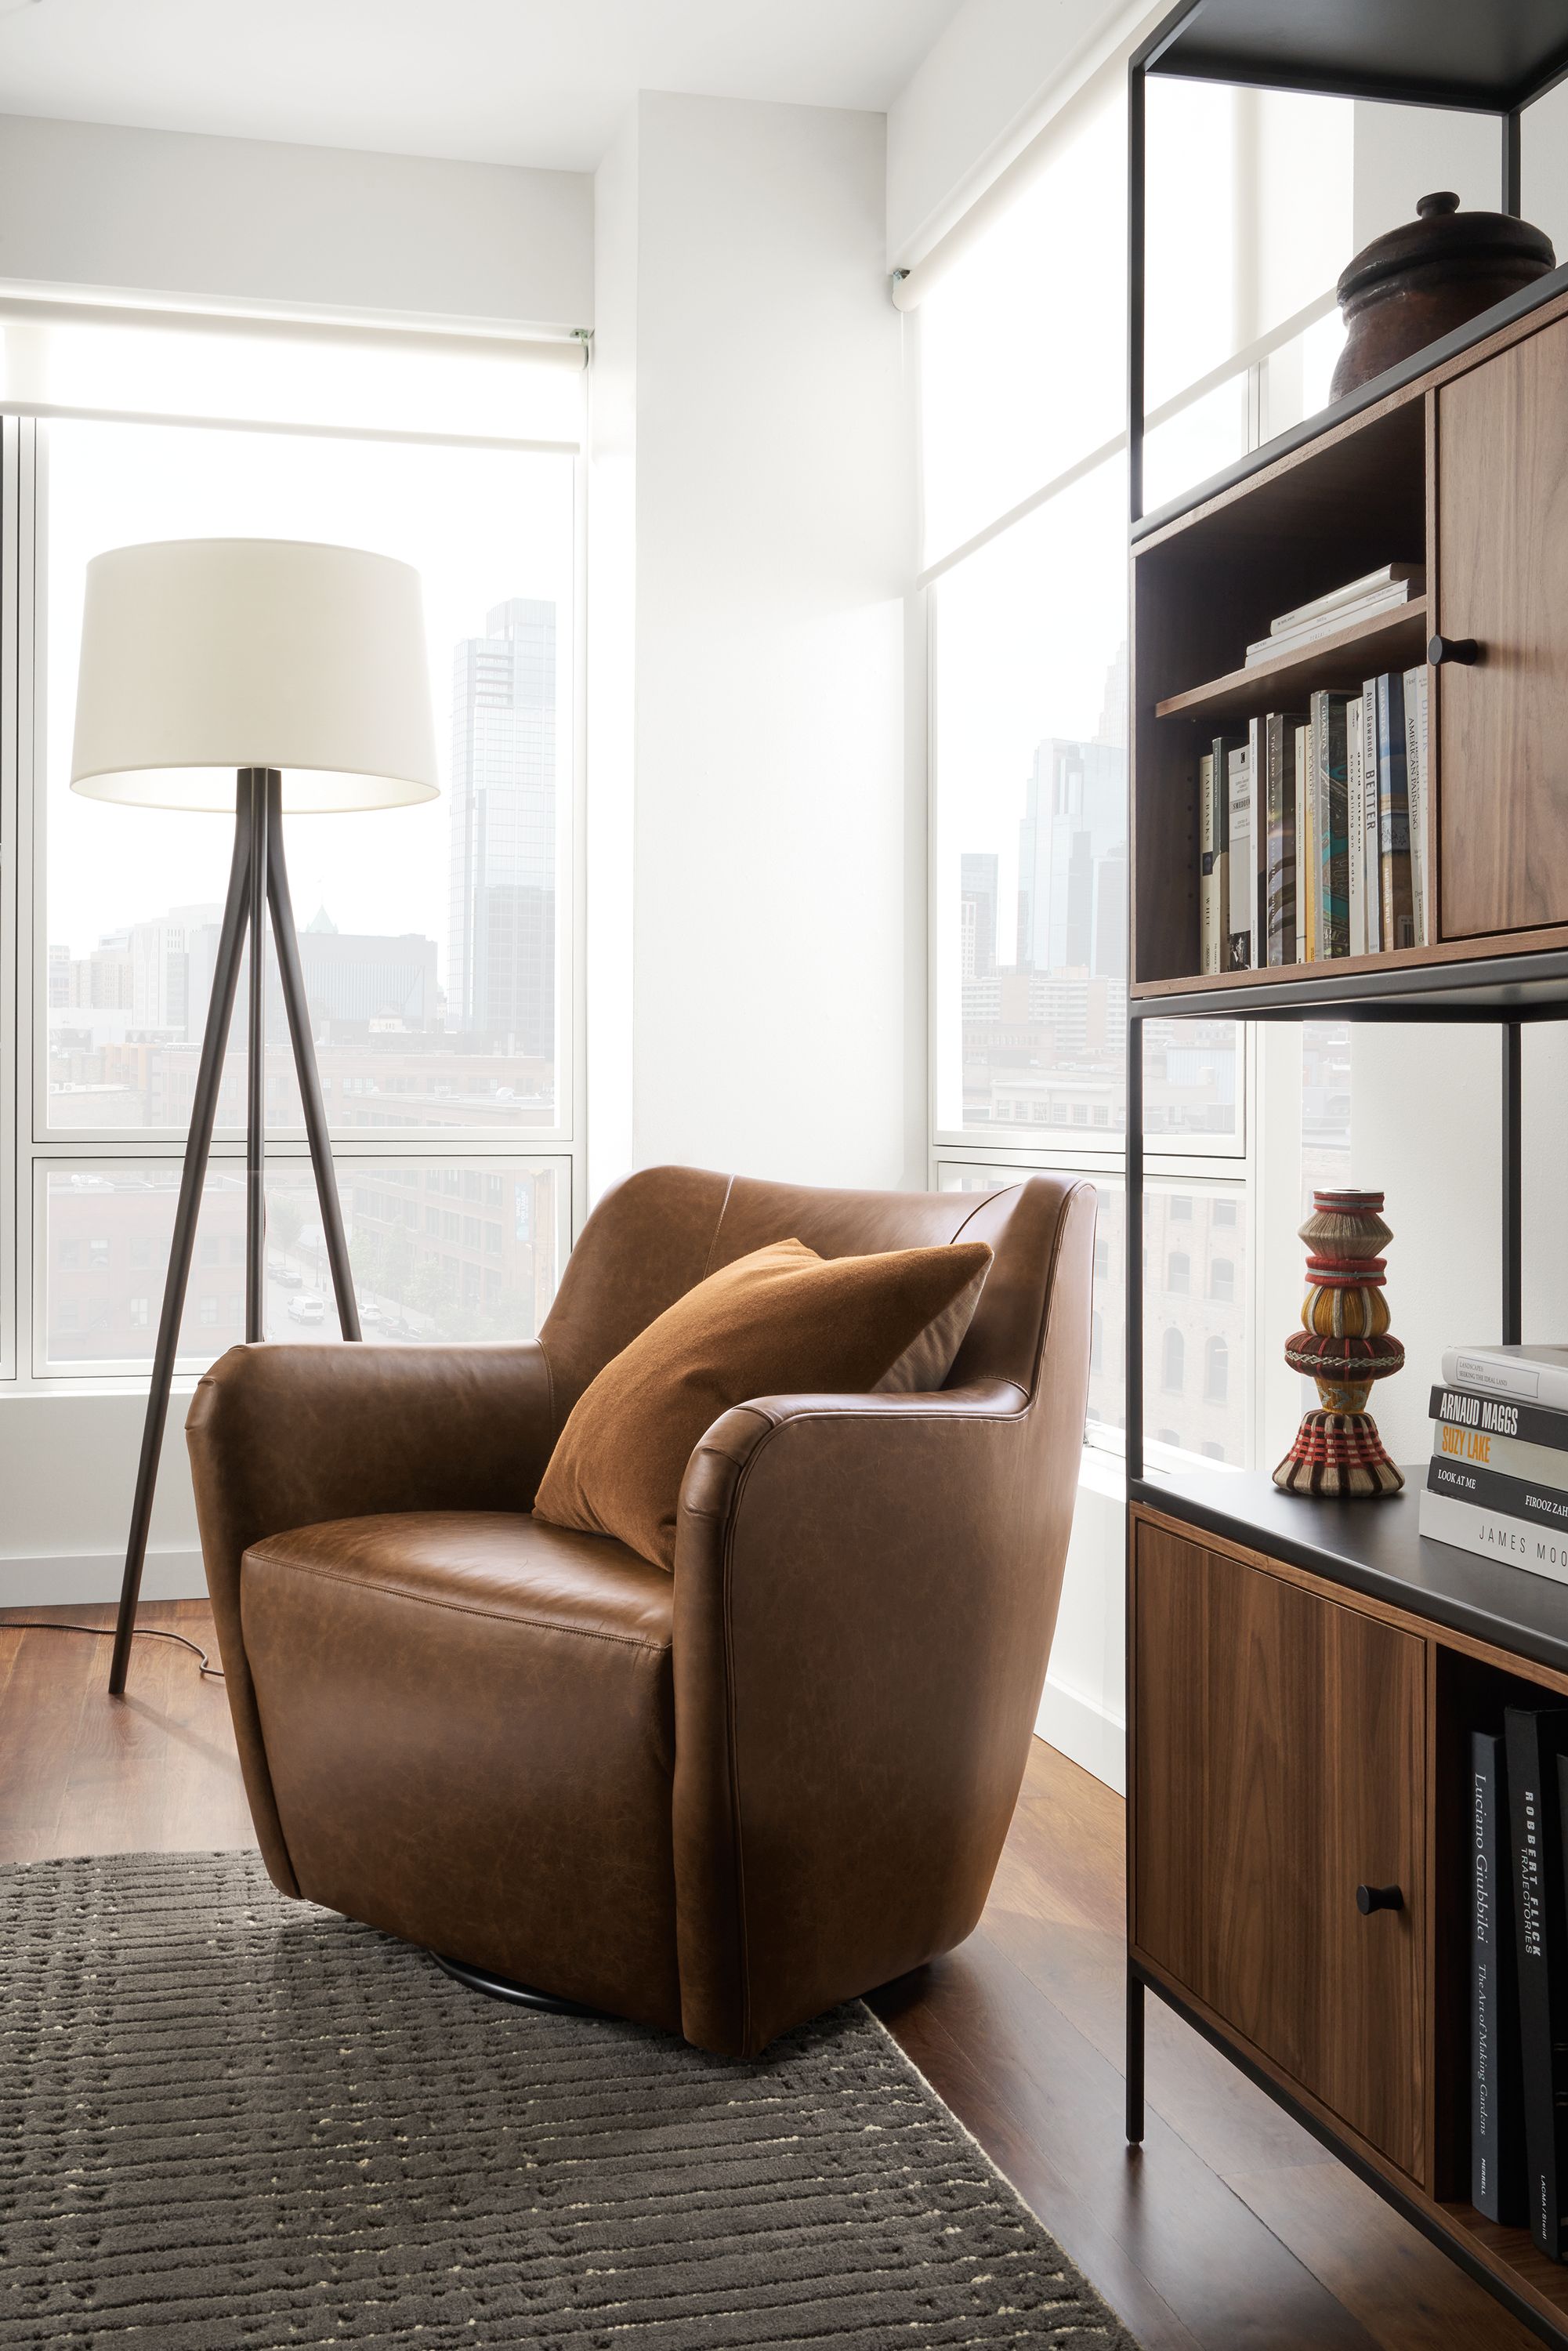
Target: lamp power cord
106, 1633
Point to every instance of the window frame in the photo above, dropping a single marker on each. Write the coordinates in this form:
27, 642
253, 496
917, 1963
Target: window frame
28, 1148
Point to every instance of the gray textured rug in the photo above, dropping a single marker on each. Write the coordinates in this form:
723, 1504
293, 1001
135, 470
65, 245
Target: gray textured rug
229, 2122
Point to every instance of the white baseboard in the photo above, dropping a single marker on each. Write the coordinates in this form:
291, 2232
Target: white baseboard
1084, 1733
71, 1580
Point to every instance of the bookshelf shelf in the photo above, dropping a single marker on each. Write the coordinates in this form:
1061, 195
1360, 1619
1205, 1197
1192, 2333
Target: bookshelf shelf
1393, 641
1304, 1677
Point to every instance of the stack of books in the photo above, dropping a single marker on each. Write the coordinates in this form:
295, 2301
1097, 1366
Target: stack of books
1312, 831
1498, 1480
1383, 590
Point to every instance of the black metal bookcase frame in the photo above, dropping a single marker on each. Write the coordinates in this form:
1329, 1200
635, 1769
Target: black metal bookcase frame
1497, 58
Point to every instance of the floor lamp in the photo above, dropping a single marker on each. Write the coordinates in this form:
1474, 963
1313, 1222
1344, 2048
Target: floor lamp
271, 677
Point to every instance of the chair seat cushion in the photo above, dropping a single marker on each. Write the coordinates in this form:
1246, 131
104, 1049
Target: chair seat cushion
469, 1724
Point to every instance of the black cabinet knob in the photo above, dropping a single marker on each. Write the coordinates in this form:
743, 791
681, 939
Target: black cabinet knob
1452, 649
1369, 1898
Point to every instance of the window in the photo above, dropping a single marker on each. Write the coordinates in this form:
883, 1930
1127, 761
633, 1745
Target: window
437, 942
1216, 1372
1021, 356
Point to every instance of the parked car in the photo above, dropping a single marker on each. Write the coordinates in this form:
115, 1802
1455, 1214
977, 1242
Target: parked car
287, 1277
308, 1309
369, 1312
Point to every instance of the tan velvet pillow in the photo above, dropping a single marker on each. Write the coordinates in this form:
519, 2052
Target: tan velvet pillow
782, 1322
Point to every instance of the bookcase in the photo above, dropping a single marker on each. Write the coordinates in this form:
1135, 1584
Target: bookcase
1303, 1675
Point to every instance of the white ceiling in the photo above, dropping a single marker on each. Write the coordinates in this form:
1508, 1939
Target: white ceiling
504, 81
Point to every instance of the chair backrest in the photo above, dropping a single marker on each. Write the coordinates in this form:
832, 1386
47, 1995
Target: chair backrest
659, 1232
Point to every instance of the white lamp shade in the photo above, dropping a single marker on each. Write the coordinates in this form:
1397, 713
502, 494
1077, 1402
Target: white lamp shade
200, 656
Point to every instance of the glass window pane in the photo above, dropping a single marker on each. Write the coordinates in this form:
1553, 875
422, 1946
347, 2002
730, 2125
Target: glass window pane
1031, 820
1105, 1411
434, 938
107, 1231
1023, 342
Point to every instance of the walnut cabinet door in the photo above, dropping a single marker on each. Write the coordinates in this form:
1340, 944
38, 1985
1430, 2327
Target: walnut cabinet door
1501, 722
1280, 1765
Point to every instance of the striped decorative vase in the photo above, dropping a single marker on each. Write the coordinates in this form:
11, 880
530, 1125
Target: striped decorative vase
1343, 1344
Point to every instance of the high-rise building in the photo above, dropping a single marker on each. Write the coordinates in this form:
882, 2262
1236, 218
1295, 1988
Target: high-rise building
502, 983
978, 917
1074, 828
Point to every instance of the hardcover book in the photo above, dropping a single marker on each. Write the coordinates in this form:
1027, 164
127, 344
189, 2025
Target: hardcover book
1535, 1738
1279, 823
1504, 1456
1494, 1489
1368, 843
1416, 778
1238, 840
1304, 863
1533, 1374
1355, 824
1497, 2089
1393, 816
1493, 1534
1328, 713
1499, 1416
1208, 868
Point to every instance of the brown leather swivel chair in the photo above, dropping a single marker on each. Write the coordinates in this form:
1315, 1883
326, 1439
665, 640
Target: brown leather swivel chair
717, 1801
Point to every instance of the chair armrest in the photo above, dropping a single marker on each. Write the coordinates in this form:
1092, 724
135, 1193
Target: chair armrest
865, 1592
284, 1436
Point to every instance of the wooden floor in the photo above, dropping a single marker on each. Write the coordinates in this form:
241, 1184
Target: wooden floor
1230, 2229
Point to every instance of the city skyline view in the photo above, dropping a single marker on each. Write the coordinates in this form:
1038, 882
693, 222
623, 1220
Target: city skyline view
390, 1009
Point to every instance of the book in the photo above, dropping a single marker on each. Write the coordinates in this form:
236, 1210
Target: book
1280, 922
1524, 1498
1492, 1534
1529, 1375
1368, 844
1239, 841
1504, 1456
1208, 868
1534, 1425
1257, 773
1392, 815
1415, 681
1411, 576
1283, 640
1355, 824
1220, 750
1302, 781
1534, 1738
1328, 719
1497, 2087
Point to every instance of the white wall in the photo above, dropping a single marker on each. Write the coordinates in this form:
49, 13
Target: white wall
247, 221
778, 962
68, 1471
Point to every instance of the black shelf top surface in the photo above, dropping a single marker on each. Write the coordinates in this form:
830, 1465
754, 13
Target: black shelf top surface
1367, 395
1486, 55
1373, 1548
1524, 986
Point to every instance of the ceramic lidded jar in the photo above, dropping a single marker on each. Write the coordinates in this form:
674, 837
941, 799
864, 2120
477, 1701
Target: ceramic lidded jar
1426, 277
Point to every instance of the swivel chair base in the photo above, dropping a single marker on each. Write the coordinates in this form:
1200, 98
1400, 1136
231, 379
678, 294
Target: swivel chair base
503, 1987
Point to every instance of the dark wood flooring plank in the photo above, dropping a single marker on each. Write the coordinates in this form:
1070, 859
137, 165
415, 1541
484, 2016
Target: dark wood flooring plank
46, 1692
1407, 2295
1225, 2275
